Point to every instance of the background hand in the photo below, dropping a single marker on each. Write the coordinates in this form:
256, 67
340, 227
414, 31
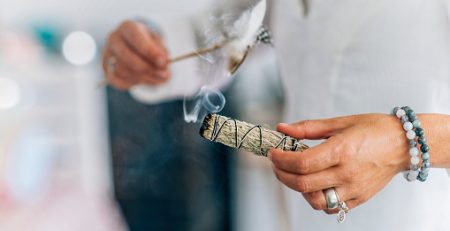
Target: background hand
359, 157
134, 55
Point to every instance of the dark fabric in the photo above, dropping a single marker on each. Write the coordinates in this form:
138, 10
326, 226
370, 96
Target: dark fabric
166, 176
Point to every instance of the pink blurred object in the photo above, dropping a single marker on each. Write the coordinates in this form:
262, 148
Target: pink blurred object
19, 50
63, 209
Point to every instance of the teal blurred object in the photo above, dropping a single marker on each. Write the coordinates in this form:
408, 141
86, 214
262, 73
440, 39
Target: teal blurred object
49, 36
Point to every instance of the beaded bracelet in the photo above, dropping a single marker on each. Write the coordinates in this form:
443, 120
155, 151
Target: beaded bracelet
413, 129
424, 148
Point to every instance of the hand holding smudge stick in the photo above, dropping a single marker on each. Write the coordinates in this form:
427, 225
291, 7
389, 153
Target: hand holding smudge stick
242, 135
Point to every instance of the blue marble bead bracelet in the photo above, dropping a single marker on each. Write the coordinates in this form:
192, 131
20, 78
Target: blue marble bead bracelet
416, 135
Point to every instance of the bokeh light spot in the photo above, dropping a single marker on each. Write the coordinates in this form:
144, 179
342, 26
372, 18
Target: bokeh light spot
9, 93
79, 48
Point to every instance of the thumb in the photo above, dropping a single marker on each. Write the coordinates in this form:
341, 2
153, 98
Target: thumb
311, 129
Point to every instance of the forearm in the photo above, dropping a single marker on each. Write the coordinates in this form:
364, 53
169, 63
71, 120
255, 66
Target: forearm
437, 133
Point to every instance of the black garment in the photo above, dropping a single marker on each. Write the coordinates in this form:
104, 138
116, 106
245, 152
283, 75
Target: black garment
166, 176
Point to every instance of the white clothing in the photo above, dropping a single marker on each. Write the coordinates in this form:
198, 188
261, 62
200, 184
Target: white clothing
359, 56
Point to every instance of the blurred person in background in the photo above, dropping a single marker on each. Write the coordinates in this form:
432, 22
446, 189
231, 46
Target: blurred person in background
339, 58
165, 177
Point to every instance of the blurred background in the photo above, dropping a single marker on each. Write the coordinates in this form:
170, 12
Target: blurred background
76, 156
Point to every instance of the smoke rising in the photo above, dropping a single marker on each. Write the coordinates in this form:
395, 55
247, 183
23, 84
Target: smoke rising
207, 100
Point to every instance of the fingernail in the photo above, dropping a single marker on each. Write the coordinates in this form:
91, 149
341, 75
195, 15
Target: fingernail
281, 125
164, 75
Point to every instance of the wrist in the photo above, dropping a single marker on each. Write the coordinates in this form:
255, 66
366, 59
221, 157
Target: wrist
399, 144
437, 128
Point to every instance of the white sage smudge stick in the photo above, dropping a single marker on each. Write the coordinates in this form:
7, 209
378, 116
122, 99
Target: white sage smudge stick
242, 135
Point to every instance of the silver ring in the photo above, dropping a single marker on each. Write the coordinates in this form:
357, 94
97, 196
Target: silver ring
111, 64
331, 198
333, 202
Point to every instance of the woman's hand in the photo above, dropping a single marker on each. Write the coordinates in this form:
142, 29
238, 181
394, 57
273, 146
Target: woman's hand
134, 55
359, 157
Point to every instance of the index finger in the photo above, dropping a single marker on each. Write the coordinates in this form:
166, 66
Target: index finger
137, 36
313, 129
312, 160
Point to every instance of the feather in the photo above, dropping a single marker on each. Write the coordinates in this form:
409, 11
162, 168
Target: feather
243, 35
254, 24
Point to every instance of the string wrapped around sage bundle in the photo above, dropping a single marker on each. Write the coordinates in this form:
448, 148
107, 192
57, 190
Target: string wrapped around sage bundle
242, 135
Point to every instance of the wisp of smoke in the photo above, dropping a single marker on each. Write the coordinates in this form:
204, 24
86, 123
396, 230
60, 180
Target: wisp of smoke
207, 100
